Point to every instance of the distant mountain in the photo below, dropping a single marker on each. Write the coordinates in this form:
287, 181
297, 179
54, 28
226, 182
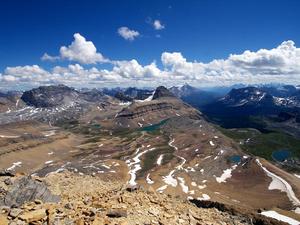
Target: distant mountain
128, 94
195, 96
93, 95
184, 90
253, 101
50, 96
247, 96
139, 94
122, 97
9, 100
292, 101
59, 95
281, 91
162, 92
112, 91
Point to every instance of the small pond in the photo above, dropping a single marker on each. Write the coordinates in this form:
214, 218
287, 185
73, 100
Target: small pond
281, 155
235, 159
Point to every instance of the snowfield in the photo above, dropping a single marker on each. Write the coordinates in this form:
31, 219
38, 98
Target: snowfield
226, 175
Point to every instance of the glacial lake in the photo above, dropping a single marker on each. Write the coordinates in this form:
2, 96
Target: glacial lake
281, 155
154, 126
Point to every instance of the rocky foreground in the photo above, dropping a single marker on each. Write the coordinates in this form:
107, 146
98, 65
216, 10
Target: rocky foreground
67, 198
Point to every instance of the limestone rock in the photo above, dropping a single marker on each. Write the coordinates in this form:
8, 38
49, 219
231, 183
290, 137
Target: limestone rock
33, 216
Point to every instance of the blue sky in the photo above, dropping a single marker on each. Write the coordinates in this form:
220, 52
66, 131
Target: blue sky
200, 30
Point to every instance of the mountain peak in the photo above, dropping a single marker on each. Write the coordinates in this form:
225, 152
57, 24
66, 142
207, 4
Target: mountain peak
49, 96
161, 92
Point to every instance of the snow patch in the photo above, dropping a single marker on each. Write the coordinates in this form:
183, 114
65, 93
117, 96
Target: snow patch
14, 165
162, 188
281, 184
147, 99
296, 175
159, 160
8, 136
148, 179
171, 144
277, 216
49, 133
170, 180
226, 174
124, 103
136, 166
184, 187
204, 197
202, 186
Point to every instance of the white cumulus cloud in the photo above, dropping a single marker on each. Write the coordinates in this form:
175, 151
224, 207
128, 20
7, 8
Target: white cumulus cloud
128, 34
280, 64
82, 51
47, 57
158, 25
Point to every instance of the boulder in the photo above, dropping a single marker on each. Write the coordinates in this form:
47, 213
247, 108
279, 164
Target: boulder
26, 189
15, 212
116, 213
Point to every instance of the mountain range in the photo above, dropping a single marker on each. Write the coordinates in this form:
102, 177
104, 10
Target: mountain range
155, 140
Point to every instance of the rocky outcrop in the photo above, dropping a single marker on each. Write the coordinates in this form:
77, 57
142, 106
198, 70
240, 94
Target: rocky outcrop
26, 189
102, 202
255, 218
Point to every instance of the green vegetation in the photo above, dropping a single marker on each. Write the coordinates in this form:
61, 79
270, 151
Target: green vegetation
150, 158
229, 122
264, 144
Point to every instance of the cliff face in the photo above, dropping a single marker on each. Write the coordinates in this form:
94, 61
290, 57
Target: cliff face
142, 110
162, 105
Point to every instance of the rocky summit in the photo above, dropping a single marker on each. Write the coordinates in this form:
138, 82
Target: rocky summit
78, 199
